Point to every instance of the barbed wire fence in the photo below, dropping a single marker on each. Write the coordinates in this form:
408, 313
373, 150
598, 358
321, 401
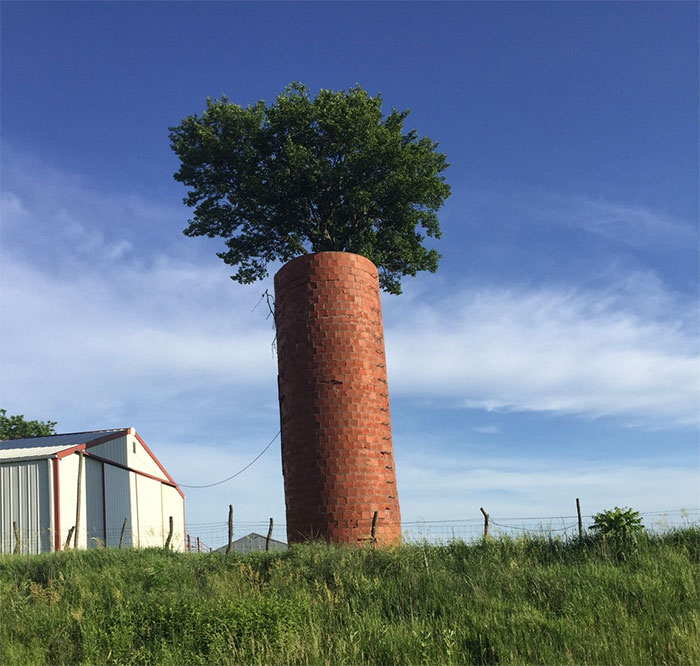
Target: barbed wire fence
465, 529
214, 536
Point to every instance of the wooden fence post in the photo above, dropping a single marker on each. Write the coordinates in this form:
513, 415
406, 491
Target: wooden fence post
486, 522
373, 533
199, 546
580, 524
66, 545
168, 541
121, 538
230, 528
77, 503
15, 529
269, 536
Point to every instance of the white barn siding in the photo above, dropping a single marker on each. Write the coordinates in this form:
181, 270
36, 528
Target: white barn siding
138, 458
174, 505
134, 499
68, 487
150, 512
25, 498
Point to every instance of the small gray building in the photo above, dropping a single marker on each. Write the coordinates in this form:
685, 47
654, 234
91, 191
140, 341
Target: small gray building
252, 542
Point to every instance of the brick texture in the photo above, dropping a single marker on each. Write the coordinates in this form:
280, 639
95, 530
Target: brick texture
337, 454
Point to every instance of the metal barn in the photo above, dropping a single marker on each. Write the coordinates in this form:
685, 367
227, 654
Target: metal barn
121, 480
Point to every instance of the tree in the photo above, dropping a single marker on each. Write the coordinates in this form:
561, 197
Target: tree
16, 427
302, 174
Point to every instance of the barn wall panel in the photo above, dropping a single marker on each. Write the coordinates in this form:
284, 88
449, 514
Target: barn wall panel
114, 450
150, 512
68, 474
118, 506
174, 505
95, 505
25, 499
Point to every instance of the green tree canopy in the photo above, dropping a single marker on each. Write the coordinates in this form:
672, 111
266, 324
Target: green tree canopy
302, 174
16, 427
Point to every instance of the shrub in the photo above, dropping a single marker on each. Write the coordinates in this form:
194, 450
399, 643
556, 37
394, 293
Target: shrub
617, 522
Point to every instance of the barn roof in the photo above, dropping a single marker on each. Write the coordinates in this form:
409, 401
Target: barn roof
51, 445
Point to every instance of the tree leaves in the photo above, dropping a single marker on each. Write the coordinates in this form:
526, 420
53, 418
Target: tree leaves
304, 175
17, 427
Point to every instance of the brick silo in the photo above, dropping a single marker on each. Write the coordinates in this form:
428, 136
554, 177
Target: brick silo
337, 454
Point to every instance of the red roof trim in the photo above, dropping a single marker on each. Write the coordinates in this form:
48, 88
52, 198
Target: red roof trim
56, 507
157, 462
116, 435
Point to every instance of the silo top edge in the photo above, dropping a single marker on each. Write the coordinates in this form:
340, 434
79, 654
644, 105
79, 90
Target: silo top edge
323, 261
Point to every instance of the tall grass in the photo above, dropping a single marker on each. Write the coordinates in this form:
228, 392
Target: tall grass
522, 601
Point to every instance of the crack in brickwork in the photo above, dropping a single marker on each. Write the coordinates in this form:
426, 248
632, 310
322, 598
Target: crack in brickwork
337, 454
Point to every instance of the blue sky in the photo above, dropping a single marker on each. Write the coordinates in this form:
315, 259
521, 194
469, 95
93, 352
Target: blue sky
553, 355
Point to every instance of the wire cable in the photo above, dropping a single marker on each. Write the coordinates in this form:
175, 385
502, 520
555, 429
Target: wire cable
240, 471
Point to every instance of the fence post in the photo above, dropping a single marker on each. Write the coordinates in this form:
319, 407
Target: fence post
269, 536
230, 528
77, 503
199, 546
486, 522
121, 538
189, 543
580, 524
66, 545
373, 533
15, 529
170, 533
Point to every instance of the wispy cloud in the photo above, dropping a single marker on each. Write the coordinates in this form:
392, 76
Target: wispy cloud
632, 224
550, 349
629, 224
487, 429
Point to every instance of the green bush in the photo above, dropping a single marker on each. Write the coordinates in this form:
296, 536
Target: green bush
617, 522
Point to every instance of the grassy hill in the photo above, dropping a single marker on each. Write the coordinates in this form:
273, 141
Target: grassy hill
538, 601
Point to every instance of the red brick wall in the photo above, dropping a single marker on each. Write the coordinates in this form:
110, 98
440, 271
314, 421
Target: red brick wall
337, 455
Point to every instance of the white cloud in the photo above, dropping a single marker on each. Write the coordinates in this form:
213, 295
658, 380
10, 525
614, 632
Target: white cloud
487, 429
117, 329
555, 350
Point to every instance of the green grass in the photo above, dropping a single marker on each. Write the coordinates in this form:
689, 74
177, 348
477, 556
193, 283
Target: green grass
525, 601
